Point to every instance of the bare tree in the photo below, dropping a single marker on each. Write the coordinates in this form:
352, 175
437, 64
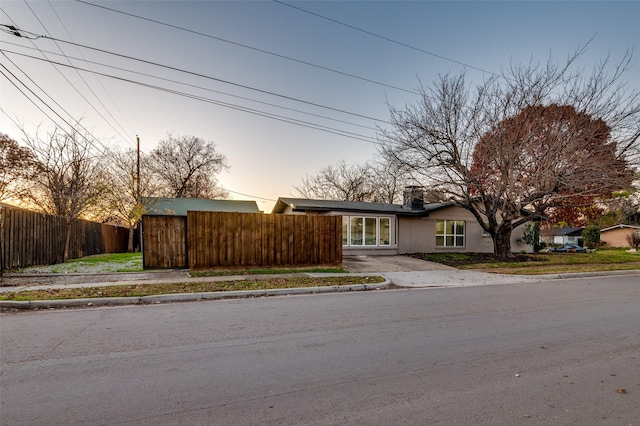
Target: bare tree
17, 166
388, 182
121, 202
340, 182
72, 175
378, 182
634, 240
437, 138
185, 166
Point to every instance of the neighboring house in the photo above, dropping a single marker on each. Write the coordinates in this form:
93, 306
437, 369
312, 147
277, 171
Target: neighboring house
562, 236
388, 229
179, 206
618, 236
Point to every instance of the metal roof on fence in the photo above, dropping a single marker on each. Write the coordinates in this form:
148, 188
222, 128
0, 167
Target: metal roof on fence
179, 206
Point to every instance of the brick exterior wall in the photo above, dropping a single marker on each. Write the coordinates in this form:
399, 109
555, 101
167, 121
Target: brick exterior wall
617, 237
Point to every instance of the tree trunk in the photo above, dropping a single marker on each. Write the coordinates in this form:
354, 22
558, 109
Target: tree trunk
536, 237
67, 240
502, 242
130, 243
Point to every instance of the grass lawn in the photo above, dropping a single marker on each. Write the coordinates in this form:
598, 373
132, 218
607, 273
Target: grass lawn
132, 262
542, 263
96, 264
266, 271
138, 290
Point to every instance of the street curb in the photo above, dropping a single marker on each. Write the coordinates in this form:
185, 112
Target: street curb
561, 276
184, 297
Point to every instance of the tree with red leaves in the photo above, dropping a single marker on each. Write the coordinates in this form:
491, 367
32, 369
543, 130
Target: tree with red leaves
575, 212
546, 157
534, 138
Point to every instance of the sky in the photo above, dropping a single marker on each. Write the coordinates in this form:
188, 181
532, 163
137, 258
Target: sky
283, 89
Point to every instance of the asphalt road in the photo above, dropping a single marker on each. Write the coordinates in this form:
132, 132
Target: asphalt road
556, 352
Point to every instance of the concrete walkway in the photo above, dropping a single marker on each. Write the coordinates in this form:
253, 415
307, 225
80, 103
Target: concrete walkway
401, 271
378, 264
442, 278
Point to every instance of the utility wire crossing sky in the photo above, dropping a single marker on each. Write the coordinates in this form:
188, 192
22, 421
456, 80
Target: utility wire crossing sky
283, 88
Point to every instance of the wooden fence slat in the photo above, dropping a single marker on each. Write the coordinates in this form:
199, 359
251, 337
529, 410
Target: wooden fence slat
31, 238
164, 242
223, 239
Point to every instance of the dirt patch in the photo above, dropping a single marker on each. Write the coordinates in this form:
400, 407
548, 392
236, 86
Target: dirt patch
457, 260
143, 289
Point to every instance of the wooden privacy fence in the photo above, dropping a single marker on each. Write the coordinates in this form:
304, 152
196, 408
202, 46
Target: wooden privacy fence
254, 239
164, 242
216, 239
29, 238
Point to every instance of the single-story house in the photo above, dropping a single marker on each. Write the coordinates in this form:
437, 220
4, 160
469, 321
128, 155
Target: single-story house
618, 236
155, 206
414, 227
562, 236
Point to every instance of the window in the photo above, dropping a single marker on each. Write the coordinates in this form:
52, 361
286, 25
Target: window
385, 231
345, 230
450, 233
356, 231
368, 231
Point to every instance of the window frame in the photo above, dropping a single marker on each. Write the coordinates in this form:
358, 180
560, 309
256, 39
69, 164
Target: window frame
369, 241
446, 234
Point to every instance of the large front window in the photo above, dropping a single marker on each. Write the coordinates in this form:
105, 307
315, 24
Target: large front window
450, 233
359, 231
356, 231
385, 231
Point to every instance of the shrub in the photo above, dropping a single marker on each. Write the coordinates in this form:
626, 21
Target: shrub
634, 240
591, 236
531, 236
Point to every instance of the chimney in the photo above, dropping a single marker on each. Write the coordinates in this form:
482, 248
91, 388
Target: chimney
413, 198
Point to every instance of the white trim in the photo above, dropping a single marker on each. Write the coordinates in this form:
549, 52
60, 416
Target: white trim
393, 232
620, 227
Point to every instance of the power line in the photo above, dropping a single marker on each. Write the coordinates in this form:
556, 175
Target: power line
335, 21
25, 95
83, 80
243, 86
194, 86
103, 150
212, 101
250, 47
248, 195
98, 80
69, 125
105, 153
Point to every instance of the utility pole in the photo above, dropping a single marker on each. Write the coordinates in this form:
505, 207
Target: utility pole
138, 200
138, 172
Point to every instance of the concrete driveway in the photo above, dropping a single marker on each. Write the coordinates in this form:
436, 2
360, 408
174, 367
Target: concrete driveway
405, 271
365, 264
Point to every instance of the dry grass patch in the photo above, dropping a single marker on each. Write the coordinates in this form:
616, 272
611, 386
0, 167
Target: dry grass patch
139, 290
541, 263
